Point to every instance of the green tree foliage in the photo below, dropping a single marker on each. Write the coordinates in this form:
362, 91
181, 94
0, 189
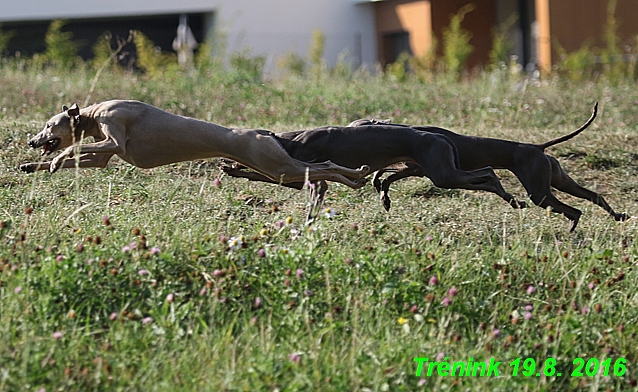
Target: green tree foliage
5, 37
103, 52
150, 59
456, 41
292, 63
247, 68
317, 49
501, 42
61, 50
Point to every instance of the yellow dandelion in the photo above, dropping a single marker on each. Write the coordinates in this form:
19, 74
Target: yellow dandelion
402, 320
289, 220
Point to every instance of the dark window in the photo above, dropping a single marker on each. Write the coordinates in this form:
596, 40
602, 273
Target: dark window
394, 44
161, 29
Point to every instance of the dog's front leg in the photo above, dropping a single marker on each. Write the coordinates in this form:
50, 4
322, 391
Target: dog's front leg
59, 160
106, 147
85, 161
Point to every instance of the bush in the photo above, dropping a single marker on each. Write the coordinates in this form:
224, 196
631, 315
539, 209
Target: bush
61, 49
5, 37
150, 59
292, 63
247, 68
456, 41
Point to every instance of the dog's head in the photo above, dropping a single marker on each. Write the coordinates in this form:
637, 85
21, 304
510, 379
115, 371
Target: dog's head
59, 132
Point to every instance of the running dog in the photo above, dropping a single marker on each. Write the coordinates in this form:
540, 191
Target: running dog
536, 170
146, 137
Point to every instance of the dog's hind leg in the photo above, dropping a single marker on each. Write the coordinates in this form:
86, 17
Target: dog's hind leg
241, 171
263, 153
408, 170
536, 181
397, 167
562, 182
317, 193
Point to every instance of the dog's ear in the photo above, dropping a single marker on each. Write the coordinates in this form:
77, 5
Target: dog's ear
64, 108
73, 111
74, 115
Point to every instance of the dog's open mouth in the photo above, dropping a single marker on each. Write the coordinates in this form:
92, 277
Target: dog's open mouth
50, 146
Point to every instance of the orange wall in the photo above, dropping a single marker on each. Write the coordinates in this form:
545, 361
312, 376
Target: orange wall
424, 19
479, 22
416, 17
404, 15
573, 23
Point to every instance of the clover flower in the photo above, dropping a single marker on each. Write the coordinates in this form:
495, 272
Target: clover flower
295, 357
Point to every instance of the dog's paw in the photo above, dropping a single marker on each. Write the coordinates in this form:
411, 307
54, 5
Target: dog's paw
519, 204
621, 217
55, 165
365, 169
385, 200
27, 167
358, 183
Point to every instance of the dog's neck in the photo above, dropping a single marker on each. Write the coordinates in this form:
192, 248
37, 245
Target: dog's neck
86, 127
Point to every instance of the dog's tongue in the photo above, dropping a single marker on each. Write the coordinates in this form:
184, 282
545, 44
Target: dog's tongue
44, 149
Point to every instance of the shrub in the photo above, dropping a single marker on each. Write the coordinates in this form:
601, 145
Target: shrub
61, 49
317, 49
247, 68
456, 41
5, 37
577, 65
150, 59
501, 42
425, 65
292, 63
399, 69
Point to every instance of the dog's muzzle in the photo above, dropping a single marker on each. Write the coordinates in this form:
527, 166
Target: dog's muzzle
48, 146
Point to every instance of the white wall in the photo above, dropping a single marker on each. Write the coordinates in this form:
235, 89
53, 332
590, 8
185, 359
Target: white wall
267, 28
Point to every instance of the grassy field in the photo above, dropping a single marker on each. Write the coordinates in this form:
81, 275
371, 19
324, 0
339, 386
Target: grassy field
129, 279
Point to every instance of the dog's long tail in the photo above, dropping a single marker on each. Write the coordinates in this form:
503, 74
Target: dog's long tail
571, 135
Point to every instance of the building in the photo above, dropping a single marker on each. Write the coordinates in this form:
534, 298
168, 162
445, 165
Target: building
539, 26
264, 28
366, 32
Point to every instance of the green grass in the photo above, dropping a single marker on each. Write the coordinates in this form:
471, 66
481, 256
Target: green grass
344, 305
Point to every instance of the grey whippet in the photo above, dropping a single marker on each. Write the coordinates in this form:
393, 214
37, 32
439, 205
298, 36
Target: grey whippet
146, 137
